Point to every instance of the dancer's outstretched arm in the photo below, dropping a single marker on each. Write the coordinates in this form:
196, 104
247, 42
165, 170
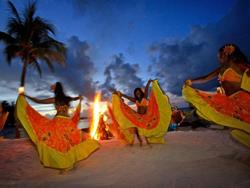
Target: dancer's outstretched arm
128, 97
204, 79
77, 98
42, 101
146, 88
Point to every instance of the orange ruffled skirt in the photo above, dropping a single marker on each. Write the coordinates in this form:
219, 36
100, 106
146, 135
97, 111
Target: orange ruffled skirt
153, 125
231, 111
59, 142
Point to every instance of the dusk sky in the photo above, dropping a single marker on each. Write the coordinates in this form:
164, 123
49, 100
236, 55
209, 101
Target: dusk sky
121, 44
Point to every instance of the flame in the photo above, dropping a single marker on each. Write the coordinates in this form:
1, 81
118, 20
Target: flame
105, 118
98, 110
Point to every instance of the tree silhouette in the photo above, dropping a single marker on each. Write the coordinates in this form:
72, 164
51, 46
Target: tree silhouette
28, 37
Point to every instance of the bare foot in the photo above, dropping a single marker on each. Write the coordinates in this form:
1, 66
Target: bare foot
140, 144
63, 172
131, 143
149, 145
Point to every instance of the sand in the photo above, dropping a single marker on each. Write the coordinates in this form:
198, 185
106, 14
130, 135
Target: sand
200, 158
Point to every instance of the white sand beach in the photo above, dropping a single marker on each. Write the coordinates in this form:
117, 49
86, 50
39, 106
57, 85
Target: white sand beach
200, 158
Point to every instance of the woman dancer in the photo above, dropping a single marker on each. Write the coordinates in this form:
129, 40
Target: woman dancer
59, 142
230, 105
152, 118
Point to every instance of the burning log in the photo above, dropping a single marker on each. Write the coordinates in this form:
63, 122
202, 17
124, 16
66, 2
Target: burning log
103, 129
99, 128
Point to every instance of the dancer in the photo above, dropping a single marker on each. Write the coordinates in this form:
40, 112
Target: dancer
152, 118
230, 104
59, 142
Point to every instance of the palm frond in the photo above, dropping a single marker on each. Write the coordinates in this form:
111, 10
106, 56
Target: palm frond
53, 45
49, 63
38, 68
28, 15
40, 24
29, 11
14, 27
10, 52
55, 56
7, 38
51, 54
14, 11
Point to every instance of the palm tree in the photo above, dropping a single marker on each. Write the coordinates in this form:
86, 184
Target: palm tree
28, 38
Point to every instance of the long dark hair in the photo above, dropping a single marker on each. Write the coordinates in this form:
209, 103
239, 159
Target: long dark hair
142, 94
231, 52
60, 97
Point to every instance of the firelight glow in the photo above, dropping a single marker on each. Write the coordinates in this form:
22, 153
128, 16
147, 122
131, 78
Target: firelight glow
98, 109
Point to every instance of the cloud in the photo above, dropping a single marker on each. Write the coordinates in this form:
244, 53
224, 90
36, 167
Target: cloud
121, 76
9, 78
79, 71
175, 60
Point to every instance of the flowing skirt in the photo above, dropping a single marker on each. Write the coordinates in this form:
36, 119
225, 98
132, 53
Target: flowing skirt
231, 111
153, 125
59, 142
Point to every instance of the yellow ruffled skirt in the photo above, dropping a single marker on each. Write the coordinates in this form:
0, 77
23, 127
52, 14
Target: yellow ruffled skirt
231, 111
153, 125
59, 142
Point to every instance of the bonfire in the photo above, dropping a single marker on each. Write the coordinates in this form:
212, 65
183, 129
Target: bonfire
99, 129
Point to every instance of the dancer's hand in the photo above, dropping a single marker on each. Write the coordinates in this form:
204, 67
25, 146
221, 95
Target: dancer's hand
117, 93
80, 97
27, 96
188, 82
150, 80
23, 95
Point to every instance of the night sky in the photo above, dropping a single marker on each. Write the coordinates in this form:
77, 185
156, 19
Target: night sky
121, 44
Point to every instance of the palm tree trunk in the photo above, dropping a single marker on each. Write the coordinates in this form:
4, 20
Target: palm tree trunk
23, 73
